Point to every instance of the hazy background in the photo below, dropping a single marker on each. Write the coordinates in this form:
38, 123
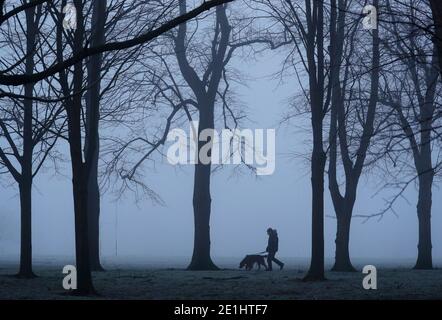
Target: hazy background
243, 206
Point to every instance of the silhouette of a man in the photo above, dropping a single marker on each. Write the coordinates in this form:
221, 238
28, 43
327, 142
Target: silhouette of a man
272, 248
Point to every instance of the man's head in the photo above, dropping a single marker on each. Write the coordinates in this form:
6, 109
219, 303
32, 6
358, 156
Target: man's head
269, 231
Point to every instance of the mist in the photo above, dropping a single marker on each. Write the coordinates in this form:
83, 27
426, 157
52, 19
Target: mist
244, 205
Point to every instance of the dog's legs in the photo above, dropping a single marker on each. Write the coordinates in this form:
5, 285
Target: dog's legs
264, 263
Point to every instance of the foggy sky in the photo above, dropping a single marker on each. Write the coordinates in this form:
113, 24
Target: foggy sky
243, 206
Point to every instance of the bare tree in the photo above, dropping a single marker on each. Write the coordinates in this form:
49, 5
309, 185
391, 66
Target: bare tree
28, 127
306, 25
84, 162
93, 98
193, 79
343, 110
205, 90
73, 101
411, 89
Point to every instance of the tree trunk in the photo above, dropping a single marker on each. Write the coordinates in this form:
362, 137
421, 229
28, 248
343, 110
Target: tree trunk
84, 278
316, 271
25, 186
316, 62
25, 230
25, 183
80, 191
424, 258
201, 259
80, 171
93, 195
94, 221
92, 133
342, 255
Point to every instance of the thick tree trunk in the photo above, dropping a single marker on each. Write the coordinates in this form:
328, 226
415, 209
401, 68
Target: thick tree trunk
80, 191
25, 230
93, 202
80, 170
342, 255
316, 271
201, 259
316, 61
25, 182
206, 92
92, 145
25, 186
94, 222
84, 278
424, 258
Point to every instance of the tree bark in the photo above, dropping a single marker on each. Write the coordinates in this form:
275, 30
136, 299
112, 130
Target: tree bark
25, 187
201, 259
205, 92
94, 221
25, 230
82, 255
424, 258
25, 182
80, 193
344, 204
92, 143
342, 255
80, 171
316, 64
316, 271
341, 203
425, 170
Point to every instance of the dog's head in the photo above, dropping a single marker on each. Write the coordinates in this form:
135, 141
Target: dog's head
243, 262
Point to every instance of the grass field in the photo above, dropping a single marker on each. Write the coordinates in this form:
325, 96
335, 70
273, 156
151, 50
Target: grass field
152, 282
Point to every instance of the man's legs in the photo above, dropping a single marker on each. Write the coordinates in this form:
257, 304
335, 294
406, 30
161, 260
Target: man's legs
270, 257
279, 263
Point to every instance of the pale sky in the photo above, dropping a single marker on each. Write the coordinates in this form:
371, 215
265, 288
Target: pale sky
243, 206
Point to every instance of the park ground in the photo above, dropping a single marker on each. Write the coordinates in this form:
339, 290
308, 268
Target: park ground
159, 281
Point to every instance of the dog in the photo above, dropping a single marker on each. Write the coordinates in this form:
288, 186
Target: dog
250, 259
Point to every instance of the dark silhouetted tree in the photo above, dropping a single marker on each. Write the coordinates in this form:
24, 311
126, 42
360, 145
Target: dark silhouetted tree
26, 125
412, 90
348, 49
